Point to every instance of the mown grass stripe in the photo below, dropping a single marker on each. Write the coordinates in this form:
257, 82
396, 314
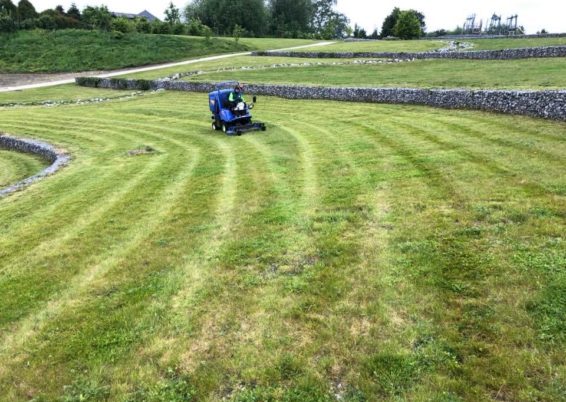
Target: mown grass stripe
396, 286
81, 282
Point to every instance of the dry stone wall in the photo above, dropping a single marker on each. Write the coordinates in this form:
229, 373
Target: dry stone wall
547, 104
55, 157
504, 54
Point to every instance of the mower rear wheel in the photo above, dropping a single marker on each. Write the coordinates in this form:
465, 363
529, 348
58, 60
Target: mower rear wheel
224, 128
214, 128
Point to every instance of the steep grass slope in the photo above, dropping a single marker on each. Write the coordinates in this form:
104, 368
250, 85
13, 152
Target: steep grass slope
357, 251
80, 50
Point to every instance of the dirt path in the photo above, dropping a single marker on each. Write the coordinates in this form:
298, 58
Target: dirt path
18, 82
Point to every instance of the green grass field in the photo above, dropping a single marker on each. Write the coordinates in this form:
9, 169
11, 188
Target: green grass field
425, 45
521, 74
239, 61
58, 93
274, 43
380, 46
516, 74
352, 252
496, 44
15, 166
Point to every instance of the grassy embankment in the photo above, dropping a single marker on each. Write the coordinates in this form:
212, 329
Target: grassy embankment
512, 74
380, 46
367, 251
496, 44
15, 166
79, 50
424, 45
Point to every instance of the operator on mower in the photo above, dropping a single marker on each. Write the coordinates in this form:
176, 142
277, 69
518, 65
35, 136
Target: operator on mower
236, 99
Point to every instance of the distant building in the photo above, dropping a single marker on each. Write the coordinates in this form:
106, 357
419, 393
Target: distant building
144, 14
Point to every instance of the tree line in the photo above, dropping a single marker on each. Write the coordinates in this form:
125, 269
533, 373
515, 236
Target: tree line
282, 18
315, 19
24, 16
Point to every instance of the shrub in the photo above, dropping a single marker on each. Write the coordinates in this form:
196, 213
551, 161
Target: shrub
98, 17
7, 24
123, 25
195, 27
207, 33
28, 24
143, 25
91, 82
158, 27
179, 29
238, 32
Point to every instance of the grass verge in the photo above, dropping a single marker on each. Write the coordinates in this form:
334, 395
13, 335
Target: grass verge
508, 74
497, 44
80, 50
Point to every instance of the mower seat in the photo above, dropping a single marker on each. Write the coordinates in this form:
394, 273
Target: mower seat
224, 102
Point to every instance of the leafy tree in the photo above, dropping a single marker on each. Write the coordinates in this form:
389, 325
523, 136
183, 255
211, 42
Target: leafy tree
7, 24
421, 18
98, 17
26, 11
172, 14
291, 17
323, 11
223, 15
437, 33
60, 10
8, 16
374, 34
326, 22
359, 32
408, 26
336, 27
356, 32
74, 12
389, 23
195, 27
8, 9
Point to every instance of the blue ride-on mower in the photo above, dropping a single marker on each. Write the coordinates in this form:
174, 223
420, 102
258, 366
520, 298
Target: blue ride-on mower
230, 118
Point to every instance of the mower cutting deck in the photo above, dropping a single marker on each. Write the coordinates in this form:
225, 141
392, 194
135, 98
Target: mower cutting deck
225, 117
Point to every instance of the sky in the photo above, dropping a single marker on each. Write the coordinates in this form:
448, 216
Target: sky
534, 15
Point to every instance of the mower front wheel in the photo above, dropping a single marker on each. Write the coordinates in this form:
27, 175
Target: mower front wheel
214, 128
224, 128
